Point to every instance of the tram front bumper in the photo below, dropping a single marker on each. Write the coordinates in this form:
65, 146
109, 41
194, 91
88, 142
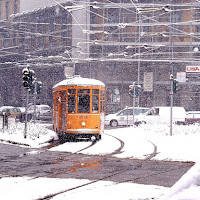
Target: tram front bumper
83, 131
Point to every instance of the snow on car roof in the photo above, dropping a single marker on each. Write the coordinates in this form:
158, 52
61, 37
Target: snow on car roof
193, 112
6, 107
79, 81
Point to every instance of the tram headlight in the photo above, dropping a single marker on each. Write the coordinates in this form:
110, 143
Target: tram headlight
83, 123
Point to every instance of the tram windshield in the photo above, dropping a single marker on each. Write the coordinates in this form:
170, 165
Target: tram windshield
84, 101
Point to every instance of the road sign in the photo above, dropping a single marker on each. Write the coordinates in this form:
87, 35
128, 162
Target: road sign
181, 77
148, 82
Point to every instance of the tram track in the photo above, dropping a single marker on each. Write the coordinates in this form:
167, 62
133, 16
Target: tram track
47, 197
112, 175
134, 180
117, 151
55, 143
92, 144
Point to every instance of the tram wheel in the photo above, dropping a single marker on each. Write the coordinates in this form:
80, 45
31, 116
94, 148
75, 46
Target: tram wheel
62, 138
98, 137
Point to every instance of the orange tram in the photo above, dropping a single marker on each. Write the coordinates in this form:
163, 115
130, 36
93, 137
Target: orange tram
78, 108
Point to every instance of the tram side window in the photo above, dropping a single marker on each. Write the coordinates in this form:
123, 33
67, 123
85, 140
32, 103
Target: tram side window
83, 101
95, 101
71, 104
102, 101
71, 100
71, 91
56, 96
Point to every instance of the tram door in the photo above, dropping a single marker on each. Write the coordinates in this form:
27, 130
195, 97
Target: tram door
63, 110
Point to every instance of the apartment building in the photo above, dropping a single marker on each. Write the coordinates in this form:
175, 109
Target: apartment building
145, 42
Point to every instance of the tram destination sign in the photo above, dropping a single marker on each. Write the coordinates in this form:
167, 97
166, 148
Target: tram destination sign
192, 71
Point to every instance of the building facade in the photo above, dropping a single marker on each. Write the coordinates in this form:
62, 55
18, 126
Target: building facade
8, 7
119, 43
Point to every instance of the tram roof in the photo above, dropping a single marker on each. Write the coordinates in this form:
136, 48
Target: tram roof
79, 81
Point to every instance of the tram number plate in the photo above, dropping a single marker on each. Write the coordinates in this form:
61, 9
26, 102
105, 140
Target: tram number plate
83, 117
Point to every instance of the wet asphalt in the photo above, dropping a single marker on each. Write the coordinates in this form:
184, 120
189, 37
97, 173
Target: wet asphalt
22, 161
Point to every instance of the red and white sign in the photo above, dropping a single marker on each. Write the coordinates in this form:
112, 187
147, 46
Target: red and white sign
193, 69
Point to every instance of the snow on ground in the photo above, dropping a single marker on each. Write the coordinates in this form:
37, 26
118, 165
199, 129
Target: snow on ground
144, 140
37, 135
26, 188
140, 142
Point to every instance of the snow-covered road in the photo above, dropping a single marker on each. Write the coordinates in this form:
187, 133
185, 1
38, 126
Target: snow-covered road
139, 142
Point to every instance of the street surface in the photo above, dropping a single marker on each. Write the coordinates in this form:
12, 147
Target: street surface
20, 161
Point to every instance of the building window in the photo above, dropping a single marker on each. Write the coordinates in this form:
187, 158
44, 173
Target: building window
7, 10
15, 7
0, 10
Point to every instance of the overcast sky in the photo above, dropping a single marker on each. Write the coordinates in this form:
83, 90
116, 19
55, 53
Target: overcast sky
28, 5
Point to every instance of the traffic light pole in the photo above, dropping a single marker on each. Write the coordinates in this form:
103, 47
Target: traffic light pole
26, 114
133, 103
134, 91
31, 85
171, 103
35, 96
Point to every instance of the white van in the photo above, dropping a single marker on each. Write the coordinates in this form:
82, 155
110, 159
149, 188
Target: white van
161, 115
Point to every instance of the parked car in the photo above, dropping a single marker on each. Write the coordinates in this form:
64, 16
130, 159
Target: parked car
161, 115
11, 111
43, 112
124, 117
193, 117
15, 112
5, 109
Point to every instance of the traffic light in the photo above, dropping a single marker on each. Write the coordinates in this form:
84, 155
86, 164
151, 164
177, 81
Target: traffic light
28, 78
36, 87
39, 87
31, 78
175, 83
131, 90
26, 72
137, 90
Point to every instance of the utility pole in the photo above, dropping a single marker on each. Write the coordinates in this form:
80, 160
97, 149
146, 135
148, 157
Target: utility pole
134, 91
26, 115
34, 99
171, 102
173, 90
133, 103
